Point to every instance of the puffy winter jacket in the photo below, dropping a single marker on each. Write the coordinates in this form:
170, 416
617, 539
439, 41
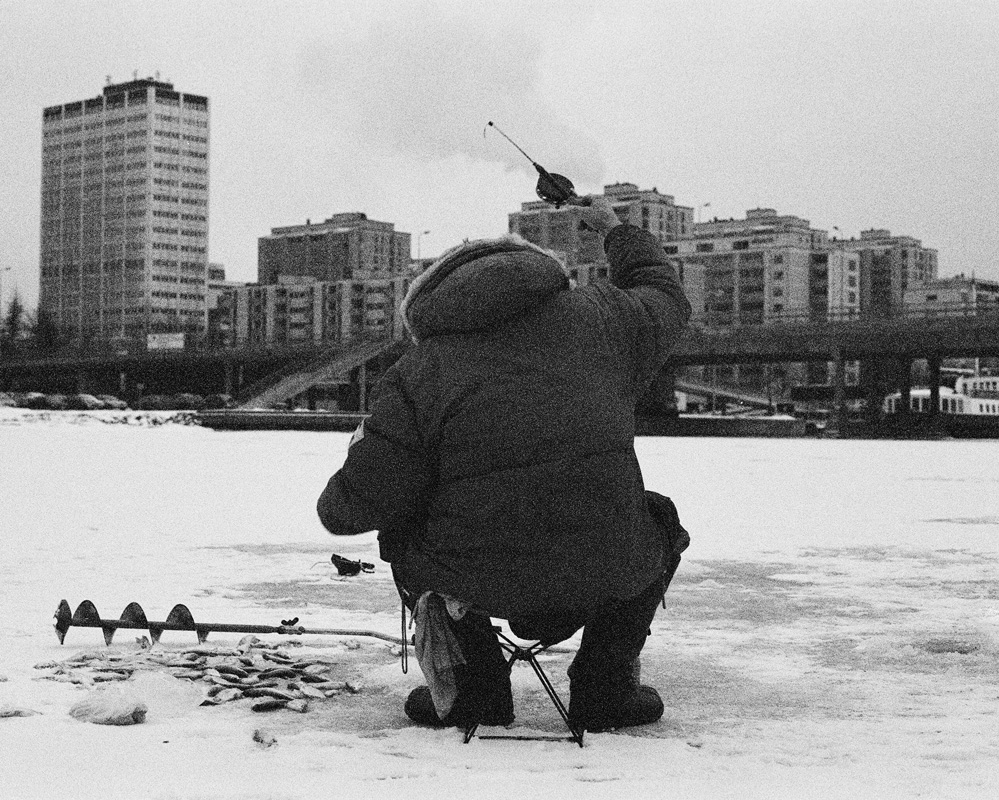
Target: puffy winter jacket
498, 461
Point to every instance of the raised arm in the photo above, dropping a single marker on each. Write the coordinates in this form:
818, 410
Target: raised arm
646, 307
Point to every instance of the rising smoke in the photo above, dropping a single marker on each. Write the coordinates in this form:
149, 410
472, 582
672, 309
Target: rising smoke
424, 87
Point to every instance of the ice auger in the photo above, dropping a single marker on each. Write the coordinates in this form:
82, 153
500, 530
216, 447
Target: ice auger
181, 619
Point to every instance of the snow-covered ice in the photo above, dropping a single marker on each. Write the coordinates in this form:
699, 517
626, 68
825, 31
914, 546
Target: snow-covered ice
833, 631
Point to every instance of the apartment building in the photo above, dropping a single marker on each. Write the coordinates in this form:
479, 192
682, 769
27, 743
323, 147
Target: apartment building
301, 310
889, 265
558, 229
218, 285
124, 213
334, 281
956, 296
344, 247
767, 267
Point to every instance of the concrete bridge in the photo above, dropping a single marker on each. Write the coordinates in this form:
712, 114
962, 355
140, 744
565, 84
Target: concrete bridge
278, 374
887, 348
897, 338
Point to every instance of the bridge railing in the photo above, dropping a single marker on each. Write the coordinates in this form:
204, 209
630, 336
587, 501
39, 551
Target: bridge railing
712, 321
194, 343
804, 316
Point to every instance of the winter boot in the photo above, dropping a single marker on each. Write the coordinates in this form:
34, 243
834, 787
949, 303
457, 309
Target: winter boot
420, 708
605, 690
483, 682
615, 702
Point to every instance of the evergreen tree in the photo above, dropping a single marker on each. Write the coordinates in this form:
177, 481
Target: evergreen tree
44, 331
13, 326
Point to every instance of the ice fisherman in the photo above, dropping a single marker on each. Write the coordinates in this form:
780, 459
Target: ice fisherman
498, 466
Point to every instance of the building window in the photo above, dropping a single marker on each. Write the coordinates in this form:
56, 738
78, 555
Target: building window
705, 247
779, 258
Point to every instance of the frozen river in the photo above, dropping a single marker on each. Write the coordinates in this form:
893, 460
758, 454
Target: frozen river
832, 632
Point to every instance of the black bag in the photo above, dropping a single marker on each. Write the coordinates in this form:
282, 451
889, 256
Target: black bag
667, 519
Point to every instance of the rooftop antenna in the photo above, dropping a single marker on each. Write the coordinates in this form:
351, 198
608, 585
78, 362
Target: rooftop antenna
108, 79
157, 74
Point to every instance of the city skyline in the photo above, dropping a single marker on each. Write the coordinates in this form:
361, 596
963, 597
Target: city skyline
852, 115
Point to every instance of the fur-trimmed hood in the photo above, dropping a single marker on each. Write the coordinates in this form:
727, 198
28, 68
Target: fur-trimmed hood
480, 284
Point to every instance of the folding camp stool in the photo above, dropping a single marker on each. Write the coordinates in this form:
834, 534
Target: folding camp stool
529, 653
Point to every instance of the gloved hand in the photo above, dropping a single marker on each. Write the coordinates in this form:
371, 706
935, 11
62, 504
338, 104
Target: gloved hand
597, 213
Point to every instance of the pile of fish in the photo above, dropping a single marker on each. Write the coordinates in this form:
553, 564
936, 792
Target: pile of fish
263, 673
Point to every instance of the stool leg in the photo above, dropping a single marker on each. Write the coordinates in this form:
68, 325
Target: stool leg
577, 736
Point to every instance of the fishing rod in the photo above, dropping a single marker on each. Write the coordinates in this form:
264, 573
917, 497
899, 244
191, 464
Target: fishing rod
552, 187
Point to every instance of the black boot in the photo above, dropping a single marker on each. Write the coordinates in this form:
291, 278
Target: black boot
618, 701
420, 708
605, 690
484, 693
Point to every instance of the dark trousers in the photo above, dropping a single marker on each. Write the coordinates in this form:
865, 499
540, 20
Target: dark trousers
607, 659
613, 638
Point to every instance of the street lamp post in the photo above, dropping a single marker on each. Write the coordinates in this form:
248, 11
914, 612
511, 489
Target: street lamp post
703, 205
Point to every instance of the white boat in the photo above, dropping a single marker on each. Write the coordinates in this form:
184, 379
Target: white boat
976, 395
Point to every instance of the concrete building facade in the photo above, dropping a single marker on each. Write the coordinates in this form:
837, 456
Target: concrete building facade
889, 265
766, 268
336, 281
300, 310
957, 296
344, 247
124, 213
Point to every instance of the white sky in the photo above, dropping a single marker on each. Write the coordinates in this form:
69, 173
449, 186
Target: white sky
849, 114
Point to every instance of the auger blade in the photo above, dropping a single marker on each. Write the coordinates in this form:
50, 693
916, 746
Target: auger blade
87, 616
180, 618
63, 619
133, 616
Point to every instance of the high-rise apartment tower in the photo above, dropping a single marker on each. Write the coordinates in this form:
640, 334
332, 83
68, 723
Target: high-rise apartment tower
124, 222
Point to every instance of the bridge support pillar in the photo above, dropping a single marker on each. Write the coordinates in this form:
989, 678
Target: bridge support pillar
904, 384
362, 387
934, 366
876, 380
838, 418
229, 379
